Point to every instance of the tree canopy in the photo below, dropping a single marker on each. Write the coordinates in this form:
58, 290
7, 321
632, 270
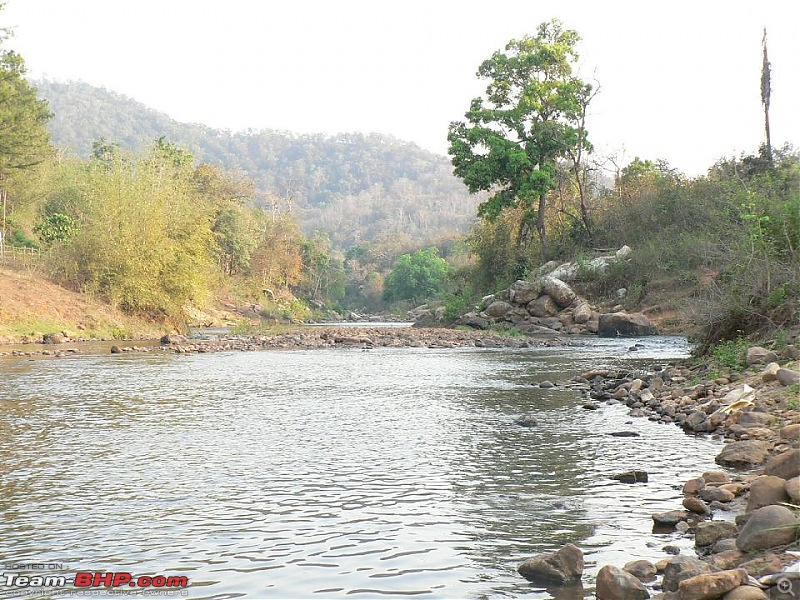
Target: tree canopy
531, 116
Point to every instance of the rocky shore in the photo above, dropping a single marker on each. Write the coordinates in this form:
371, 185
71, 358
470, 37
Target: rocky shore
744, 518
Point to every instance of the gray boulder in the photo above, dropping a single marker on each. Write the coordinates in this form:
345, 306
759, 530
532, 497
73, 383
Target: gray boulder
558, 568
785, 465
767, 527
543, 306
680, 568
765, 491
742, 455
788, 377
582, 313
559, 291
622, 324
614, 583
498, 309
756, 355
522, 292
708, 533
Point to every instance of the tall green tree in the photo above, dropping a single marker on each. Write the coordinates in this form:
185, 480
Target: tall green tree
24, 140
531, 117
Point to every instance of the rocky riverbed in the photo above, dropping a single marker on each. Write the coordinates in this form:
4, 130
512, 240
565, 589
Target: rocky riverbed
744, 518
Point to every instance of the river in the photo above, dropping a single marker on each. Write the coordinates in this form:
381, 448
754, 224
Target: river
332, 473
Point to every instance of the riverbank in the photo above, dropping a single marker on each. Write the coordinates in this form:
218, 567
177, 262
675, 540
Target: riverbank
745, 517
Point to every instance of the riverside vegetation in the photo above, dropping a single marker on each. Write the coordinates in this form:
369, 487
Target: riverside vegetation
161, 242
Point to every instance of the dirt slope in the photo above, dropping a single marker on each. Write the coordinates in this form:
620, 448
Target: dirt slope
31, 305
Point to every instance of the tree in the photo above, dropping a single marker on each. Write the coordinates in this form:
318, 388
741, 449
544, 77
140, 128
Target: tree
24, 140
417, 276
531, 117
766, 90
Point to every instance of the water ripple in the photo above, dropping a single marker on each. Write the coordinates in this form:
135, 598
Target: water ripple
328, 474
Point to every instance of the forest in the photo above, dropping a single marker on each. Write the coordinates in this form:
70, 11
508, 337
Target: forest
154, 216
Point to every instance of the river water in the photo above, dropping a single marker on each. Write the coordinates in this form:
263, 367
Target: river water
332, 473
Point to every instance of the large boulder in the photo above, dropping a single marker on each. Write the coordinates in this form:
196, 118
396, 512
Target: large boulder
681, 568
711, 585
498, 309
756, 355
614, 583
767, 527
708, 533
582, 313
522, 292
559, 291
788, 377
742, 455
474, 320
785, 465
543, 306
622, 324
558, 568
765, 491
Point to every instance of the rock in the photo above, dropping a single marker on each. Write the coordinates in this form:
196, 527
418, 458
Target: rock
755, 419
669, 518
737, 489
53, 338
643, 570
558, 568
551, 323
742, 455
680, 568
559, 291
697, 421
694, 485
785, 465
725, 545
766, 490
634, 476
716, 494
625, 434
716, 477
745, 592
767, 527
623, 252
523, 292
544, 306
788, 377
498, 309
615, 584
756, 355
621, 324
696, 505
527, 420
707, 533
792, 489
711, 585
582, 313
474, 320
116, 350
790, 432
770, 373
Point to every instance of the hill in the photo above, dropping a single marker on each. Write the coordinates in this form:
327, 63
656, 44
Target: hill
355, 187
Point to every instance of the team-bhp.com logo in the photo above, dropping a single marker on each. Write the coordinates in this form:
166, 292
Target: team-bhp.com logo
94, 579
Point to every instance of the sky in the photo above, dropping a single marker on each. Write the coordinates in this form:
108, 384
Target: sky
678, 80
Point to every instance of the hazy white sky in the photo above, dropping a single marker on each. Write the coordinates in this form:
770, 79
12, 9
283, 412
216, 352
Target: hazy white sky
679, 80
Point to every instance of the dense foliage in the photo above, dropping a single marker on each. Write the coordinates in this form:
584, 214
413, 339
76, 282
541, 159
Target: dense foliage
531, 117
354, 187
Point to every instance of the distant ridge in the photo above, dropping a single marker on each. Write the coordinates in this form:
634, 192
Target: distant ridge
355, 187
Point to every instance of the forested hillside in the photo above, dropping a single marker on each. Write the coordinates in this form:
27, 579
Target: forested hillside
355, 187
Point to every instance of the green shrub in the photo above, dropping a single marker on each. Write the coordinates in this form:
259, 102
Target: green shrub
731, 353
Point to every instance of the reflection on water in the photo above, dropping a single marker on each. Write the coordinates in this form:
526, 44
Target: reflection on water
329, 473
